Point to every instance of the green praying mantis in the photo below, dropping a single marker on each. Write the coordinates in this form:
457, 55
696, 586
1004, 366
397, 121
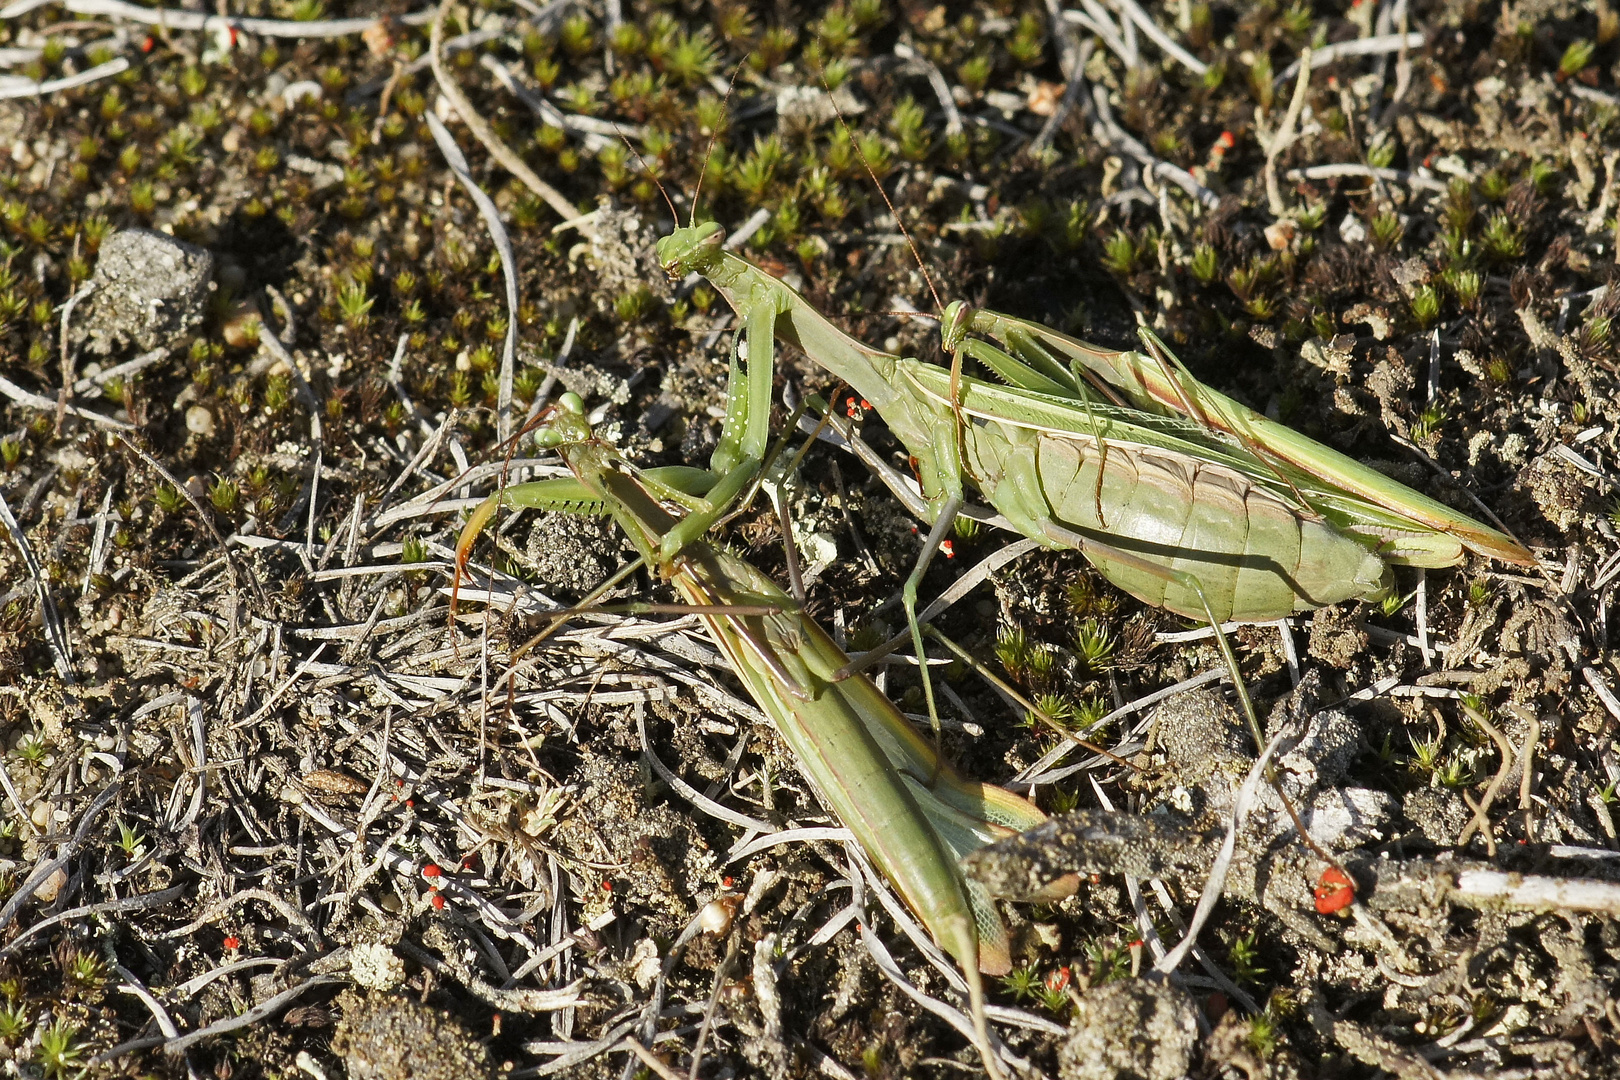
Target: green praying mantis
912, 813
1402, 526
1176, 493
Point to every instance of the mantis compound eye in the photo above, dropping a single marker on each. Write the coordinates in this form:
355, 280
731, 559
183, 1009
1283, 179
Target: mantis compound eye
571, 402
958, 319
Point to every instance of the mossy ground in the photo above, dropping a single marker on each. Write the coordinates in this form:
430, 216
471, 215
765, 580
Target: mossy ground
306, 167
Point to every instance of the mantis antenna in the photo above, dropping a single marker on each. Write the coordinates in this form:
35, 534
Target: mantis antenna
939, 305
708, 151
673, 213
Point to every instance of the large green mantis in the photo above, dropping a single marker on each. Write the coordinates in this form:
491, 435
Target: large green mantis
910, 811
1177, 494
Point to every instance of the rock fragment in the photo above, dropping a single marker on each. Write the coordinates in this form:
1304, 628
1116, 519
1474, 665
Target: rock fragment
1136, 1029
149, 289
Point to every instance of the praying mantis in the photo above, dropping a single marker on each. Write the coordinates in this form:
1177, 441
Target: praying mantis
1175, 493
1122, 456
912, 813
1412, 530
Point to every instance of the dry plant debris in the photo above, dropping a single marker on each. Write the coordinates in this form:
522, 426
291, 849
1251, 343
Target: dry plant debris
268, 813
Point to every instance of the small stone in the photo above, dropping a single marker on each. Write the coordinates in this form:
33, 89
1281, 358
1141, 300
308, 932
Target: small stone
644, 963
40, 815
148, 290
52, 886
242, 326
818, 550
717, 914
199, 421
331, 782
1439, 812
1202, 735
800, 108
1133, 1028
1279, 234
1043, 97
393, 1037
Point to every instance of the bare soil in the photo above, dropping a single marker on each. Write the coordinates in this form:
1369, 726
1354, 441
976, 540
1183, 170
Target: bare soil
260, 788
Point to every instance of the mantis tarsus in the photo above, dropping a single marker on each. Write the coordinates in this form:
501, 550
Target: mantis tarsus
911, 812
1175, 493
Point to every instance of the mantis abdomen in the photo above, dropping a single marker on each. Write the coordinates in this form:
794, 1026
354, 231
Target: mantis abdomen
1256, 556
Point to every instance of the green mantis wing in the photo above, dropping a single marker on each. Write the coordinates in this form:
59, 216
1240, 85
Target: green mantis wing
1158, 385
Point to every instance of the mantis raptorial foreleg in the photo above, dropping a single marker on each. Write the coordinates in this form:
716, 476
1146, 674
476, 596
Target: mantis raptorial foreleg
740, 453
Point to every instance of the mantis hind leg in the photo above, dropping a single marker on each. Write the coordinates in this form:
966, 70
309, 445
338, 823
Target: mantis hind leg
908, 599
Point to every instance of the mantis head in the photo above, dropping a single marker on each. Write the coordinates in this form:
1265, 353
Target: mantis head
562, 424
955, 324
688, 249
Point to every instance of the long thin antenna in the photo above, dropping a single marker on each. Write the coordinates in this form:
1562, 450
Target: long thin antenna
939, 305
674, 214
708, 151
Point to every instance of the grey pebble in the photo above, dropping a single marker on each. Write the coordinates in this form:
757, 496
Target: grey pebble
149, 289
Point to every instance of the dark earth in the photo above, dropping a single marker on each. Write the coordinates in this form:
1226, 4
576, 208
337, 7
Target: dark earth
270, 812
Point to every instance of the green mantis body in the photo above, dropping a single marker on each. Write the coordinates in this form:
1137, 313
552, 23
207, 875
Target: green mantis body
1266, 521
910, 811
